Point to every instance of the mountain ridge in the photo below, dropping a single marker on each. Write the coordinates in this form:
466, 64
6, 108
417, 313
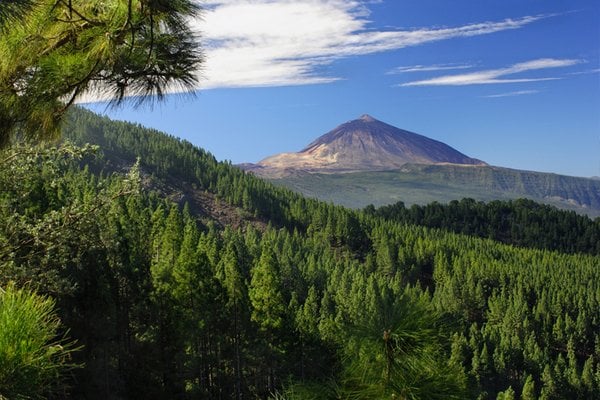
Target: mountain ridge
422, 184
408, 176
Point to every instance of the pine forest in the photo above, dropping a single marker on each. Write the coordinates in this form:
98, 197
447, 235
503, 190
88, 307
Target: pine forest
164, 274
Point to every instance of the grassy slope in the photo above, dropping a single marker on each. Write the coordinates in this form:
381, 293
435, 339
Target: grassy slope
420, 184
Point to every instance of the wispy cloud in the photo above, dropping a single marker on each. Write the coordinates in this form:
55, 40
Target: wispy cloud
494, 76
586, 72
510, 94
428, 68
275, 43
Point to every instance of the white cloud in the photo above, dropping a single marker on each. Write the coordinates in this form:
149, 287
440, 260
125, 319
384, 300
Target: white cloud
428, 68
493, 76
510, 94
586, 72
252, 43
288, 42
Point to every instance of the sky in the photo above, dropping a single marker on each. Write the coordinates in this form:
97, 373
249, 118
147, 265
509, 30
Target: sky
515, 83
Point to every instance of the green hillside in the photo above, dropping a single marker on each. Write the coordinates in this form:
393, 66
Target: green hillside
521, 222
422, 184
183, 278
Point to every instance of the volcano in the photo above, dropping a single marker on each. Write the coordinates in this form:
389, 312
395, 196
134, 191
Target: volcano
364, 144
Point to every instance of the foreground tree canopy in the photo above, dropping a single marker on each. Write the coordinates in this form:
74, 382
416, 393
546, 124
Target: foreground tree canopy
53, 51
33, 357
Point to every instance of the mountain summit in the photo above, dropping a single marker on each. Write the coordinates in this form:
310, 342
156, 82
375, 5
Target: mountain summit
365, 144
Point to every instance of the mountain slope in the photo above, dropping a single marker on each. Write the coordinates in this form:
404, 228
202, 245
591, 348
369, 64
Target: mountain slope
364, 144
422, 184
165, 310
366, 161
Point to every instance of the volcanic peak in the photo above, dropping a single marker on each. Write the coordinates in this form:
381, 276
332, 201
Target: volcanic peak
367, 144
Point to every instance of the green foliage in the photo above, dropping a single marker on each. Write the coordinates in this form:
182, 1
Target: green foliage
508, 394
13, 9
518, 222
306, 391
528, 392
55, 51
399, 354
288, 297
423, 184
265, 295
34, 353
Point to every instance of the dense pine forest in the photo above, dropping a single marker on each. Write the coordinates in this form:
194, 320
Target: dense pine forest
174, 276
520, 222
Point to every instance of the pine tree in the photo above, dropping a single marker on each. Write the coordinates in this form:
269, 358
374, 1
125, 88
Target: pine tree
587, 378
268, 307
549, 389
237, 301
308, 315
33, 360
55, 51
397, 353
508, 394
528, 392
572, 373
265, 293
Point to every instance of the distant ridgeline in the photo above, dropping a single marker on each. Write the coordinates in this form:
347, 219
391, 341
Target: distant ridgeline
183, 277
423, 184
366, 161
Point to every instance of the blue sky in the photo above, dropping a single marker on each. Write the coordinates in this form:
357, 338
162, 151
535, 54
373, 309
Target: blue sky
515, 83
